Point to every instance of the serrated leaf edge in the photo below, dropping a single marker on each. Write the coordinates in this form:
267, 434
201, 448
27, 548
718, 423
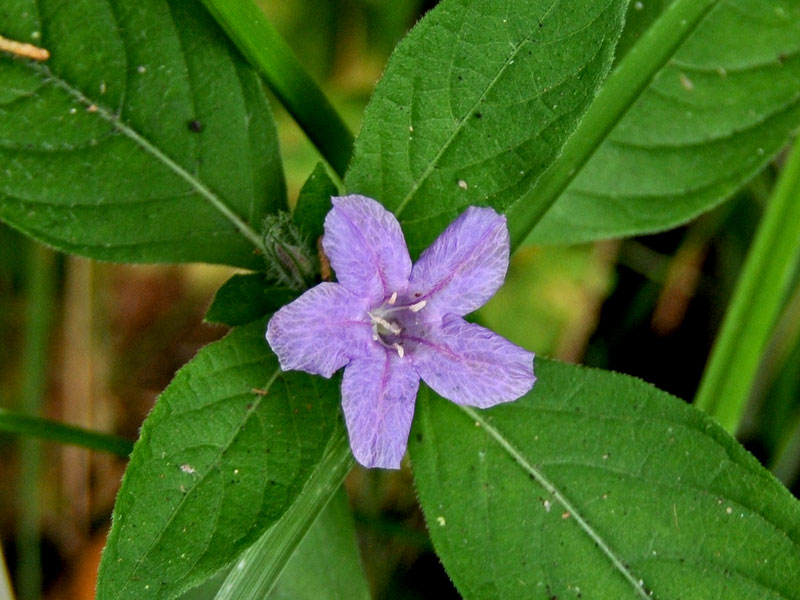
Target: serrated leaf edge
177, 508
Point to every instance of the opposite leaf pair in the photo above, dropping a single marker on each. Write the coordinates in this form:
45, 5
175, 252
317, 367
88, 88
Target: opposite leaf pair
391, 324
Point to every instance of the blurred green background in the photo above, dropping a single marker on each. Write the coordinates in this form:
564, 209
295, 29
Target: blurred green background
111, 337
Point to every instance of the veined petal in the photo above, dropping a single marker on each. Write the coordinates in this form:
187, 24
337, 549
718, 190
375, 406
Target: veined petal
472, 365
378, 395
366, 248
321, 331
465, 265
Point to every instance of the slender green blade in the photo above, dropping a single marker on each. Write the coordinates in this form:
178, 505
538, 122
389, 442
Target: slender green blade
326, 563
722, 107
598, 485
476, 102
250, 30
764, 285
259, 567
144, 138
226, 452
47, 429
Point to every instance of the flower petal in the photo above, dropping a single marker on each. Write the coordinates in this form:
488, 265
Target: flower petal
366, 248
465, 265
472, 365
321, 331
378, 395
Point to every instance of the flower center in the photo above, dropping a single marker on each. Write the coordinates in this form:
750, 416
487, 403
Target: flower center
386, 322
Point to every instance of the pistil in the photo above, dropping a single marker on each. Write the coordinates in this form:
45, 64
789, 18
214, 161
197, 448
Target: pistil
382, 326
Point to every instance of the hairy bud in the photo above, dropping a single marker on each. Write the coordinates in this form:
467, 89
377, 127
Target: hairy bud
290, 258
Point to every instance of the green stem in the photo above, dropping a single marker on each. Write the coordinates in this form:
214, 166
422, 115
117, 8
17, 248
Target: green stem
41, 275
261, 44
622, 88
257, 570
46, 429
762, 289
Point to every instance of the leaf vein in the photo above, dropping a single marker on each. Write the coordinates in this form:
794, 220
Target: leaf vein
256, 403
147, 146
539, 477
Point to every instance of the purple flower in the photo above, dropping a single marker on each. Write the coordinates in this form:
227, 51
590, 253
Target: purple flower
391, 324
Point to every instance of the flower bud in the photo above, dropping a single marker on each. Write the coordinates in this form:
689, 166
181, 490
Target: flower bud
290, 258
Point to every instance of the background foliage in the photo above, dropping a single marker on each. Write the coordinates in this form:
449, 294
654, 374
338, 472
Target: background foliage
148, 138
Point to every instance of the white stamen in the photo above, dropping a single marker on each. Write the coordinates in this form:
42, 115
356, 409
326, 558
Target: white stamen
399, 348
418, 306
378, 321
393, 299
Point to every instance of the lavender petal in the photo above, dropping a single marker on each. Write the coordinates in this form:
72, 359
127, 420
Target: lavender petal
321, 331
366, 248
465, 265
378, 395
472, 365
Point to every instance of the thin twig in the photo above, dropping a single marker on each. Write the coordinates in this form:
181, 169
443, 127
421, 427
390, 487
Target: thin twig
23, 49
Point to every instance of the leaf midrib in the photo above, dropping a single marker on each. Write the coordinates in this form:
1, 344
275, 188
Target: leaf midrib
431, 166
153, 150
551, 488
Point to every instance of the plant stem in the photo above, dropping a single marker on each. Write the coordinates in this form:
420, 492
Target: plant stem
256, 571
261, 44
771, 264
619, 92
41, 275
46, 429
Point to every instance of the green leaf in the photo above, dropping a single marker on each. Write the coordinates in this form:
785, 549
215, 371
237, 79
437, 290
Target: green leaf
314, 202
326, 564
144, 138
258, 40
224, 454
598, 485
246, 297
721, 109
476, 102
258, 568
638, 19
766, 280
